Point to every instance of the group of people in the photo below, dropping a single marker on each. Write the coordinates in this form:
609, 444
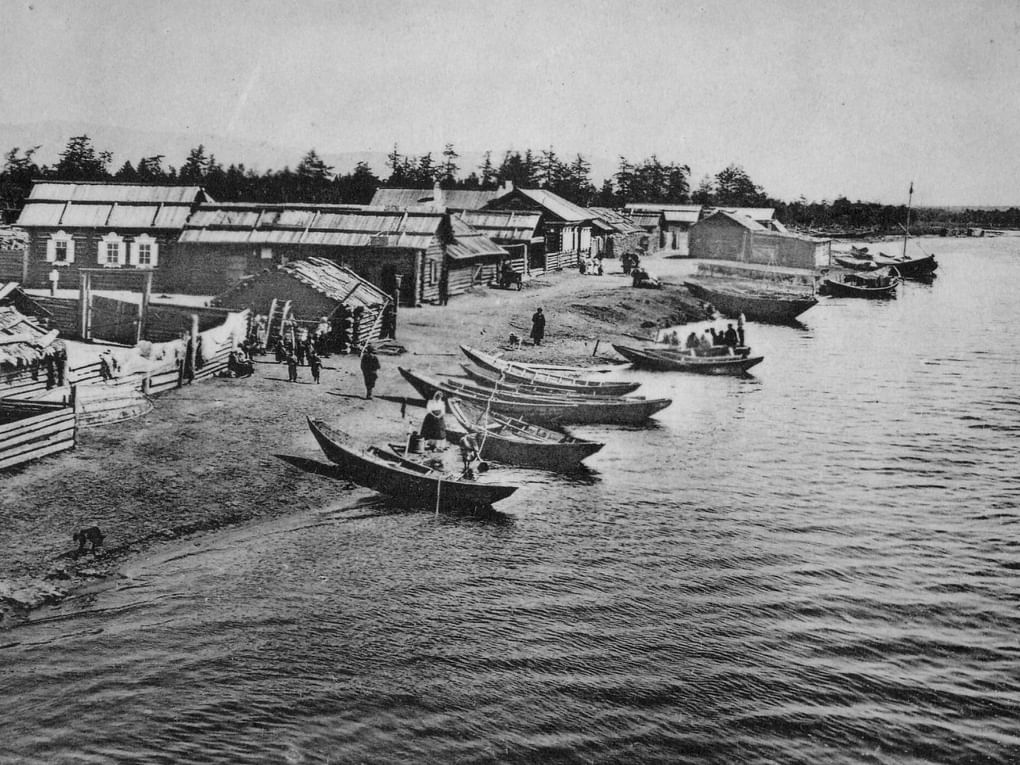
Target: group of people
731, 338
591, 266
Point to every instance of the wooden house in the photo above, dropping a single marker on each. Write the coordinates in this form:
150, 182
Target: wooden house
516, 231
405, 249
674, 224
614, 234
566, 227
728, 236
122, 228
653, 223
472, 258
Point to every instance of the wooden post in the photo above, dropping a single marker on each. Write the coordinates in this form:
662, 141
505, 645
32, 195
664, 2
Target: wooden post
143, 309
84, 285
24, 264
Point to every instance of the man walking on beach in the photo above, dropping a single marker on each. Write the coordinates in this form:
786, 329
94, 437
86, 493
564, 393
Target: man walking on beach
369, 369
292, 367
538, 326
315, 364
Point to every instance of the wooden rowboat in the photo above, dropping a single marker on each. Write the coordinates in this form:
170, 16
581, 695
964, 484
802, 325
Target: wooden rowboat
489, 379
513, 441
685, 361
570, 379
871, 284
407, 482
543, 411
777, 308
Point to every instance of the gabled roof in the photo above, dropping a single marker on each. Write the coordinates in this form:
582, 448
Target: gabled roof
504, 225
470, 243
337, 225
341, 285
761, 214
653, 206
741, 220
559, 207
458, 199
57, 204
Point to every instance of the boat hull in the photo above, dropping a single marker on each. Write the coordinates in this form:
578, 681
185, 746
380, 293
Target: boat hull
543, 412
771, 310
842, 289
515, 442
561, 378
406, 486
675, 361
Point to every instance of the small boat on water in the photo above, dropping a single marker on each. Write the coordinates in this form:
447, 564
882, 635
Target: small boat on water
569, 378
513, 441
541, 410
853, 263
666, 360
768, 306
870, 284
409, 483
909, 268
489, 379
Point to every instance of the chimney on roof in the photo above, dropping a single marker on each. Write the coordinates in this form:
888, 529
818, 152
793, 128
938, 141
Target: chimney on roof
507, 187
437, 197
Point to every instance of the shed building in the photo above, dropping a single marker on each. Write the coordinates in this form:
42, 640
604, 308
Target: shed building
315, 289
614, 234
122, 228
728, 236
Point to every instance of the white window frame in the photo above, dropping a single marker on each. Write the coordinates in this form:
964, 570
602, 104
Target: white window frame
135, 251
51, 248
102, 256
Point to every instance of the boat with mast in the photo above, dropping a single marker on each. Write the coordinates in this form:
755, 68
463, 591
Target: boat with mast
910, 268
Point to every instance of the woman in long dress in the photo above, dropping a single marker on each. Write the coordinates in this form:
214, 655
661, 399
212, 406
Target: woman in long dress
433, 427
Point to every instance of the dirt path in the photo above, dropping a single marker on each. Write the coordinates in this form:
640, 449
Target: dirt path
226, 451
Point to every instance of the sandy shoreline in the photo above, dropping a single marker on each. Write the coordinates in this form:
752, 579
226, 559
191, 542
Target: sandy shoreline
228, 451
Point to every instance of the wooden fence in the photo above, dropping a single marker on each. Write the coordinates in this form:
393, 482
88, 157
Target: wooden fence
33, 429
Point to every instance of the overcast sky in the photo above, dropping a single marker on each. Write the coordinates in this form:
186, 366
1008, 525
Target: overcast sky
811, 97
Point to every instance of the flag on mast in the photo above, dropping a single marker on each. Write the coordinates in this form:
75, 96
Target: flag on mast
911, 187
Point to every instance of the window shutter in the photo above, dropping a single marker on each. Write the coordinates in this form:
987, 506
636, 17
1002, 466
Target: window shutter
133, 253
51, 250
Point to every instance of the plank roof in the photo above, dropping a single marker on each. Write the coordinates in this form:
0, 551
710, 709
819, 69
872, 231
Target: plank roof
328, 225
338, 283
469, 243
458, 199
553, 203
504, 225
616, 221
22, 340
62, 204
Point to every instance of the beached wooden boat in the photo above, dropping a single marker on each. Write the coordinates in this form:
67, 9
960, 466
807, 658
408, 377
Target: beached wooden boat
872, 284
665, 360
909, 268
854, 263
541, 410
513, 441
765, 306
489, 379
568, 378
407, 482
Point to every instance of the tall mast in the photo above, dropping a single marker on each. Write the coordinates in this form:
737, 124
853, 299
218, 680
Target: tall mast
906, 231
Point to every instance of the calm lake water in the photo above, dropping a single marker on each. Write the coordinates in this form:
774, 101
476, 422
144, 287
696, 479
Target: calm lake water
820, 563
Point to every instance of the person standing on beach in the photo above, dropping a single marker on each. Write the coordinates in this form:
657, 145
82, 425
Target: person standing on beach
315, 364
538, 326
292, 367
369, 369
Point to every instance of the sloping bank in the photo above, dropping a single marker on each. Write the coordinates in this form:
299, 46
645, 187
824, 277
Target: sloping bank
227, 451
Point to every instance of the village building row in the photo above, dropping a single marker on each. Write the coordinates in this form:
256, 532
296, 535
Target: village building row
425, 245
